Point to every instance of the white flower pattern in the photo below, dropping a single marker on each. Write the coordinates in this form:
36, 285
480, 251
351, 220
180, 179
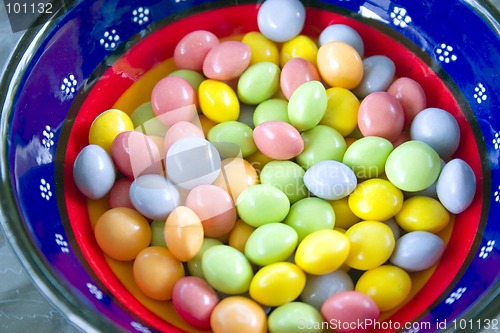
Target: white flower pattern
110, 40
400, 17
45, 189
444, 53
140, 15
455, 296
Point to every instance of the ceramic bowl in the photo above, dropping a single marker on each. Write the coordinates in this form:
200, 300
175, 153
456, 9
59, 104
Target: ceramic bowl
93, 56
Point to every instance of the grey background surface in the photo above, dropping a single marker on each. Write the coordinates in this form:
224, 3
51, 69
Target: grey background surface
23, 308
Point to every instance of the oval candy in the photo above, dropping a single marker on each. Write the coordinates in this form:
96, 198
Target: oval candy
192, 49
278, 140
417, 250
456, 186
94, 172
286, 25
226, 60
296, 72
342, 33
437, 128
330, 180
307, 105
258, 83
378, 73
154, 196
381, 114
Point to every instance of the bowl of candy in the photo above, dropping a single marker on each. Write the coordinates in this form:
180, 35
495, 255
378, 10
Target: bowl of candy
273, 166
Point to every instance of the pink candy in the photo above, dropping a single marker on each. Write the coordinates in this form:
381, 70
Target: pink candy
173, 99
381, 114
193, 48
227, 60
278, 140
295, 72
135, 154
411, 96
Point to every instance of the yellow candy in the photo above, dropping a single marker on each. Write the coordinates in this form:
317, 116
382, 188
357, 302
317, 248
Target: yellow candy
239, 235
388, 286
277, 284
262, 48
344, 217
423, 213
376, 200
372, 244
218, 101
299, 47
107, 126
341, 111
322, 252
340, 65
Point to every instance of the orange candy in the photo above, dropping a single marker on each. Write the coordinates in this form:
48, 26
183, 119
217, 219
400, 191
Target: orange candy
238, 314
156, 271
340, 65
183, 233
237, 174
122, 233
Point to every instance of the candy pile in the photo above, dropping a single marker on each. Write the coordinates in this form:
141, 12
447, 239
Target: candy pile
267, 167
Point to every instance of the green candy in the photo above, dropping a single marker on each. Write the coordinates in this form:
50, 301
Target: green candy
194, 265
367, 156
307, 105
286, 176
262, 203
271, 243
234, 132
145, 121
309, 215
413, 166
258, 83
157, 233
227, 269
272, 109
194, 78
321, 143
295, 317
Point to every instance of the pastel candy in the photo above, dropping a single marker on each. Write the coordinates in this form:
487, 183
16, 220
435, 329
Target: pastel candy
135, 154
227, 60
381, 114
411, 96
286, 25
295, 72
258, 83
342, 33
278, 140
320, 287
192, 161
417, 250
192, 49
181, 130
330, 180
154, 196
456, 186
94, 172
173, 99
307, 105
439, 129
378, 73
